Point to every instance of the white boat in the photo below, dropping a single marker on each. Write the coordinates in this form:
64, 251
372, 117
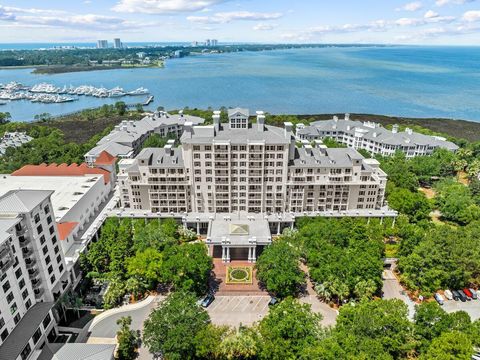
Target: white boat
116, 92
139, 91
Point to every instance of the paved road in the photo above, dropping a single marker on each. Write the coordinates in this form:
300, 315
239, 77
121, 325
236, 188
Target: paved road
329, 315
393, 290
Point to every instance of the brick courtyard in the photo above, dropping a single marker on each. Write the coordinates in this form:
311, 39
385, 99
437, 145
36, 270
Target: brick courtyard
218, 282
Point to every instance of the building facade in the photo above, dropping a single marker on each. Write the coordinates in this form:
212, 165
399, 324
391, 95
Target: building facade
252, 168
32, 272
373, 137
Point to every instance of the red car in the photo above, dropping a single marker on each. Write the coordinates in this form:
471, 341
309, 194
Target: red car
468, 293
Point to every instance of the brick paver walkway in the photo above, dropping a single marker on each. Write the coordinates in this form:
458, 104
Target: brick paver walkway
221, 288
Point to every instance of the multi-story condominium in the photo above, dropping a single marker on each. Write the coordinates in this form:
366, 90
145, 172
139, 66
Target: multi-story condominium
251, 169
373, 137
125, 140
32, 272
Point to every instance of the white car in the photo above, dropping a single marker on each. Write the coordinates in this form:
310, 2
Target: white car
448, 294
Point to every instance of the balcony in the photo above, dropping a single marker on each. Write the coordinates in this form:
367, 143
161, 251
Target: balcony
21, 230
30, 263
38, 293
36, 283
33, 273
26, 252
24, 240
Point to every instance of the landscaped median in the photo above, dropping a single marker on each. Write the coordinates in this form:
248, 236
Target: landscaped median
237, 275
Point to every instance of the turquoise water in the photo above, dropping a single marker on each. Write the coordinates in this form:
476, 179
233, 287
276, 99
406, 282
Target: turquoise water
403, 81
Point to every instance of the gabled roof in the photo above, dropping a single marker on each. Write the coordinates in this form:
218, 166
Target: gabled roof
241, 111
105, 159
61, 170
65, 229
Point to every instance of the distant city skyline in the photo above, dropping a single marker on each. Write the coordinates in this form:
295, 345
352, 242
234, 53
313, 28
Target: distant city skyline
432, 22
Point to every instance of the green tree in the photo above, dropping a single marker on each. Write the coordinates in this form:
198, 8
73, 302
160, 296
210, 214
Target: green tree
146, 266
171, 329
450, 346
187, 266
239, 344
278, 269
413, 204
287, 330
128, 340
208, 340
121, 108
5, 118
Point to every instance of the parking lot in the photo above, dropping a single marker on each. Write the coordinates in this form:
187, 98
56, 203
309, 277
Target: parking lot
472, 307
245, 310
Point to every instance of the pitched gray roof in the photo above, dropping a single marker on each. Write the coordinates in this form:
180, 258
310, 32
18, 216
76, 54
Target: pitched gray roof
376, 133
326, 158
205, 134
161, 157
237, 110
5, 225
79, 351
22, 201
18, 338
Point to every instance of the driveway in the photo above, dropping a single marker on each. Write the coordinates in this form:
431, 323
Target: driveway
393, 290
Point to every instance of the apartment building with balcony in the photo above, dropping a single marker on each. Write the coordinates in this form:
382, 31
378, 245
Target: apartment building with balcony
373, 137
32, 272
255, 172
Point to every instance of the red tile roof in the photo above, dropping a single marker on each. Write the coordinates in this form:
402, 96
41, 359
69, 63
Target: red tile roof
105, 159
65, 229
61, 170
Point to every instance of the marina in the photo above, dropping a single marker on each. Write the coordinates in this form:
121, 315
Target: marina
48, 93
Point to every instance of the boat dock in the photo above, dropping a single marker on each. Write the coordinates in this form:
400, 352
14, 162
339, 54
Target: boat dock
149, 101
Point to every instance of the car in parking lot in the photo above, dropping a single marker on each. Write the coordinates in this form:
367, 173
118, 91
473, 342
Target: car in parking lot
207, 300
468, 293
439, 299
455, 295
448, 294
474, 294
273, 301
462, 296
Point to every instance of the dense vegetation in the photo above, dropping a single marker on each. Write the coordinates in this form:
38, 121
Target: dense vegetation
135, 256
376, 329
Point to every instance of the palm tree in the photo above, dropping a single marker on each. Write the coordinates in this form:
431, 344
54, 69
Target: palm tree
323, 291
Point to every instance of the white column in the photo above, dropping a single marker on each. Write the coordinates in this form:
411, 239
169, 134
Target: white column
198, 228
223, 253
254, 255
278, 228
291, 225
249, 254
228, 254
393, 223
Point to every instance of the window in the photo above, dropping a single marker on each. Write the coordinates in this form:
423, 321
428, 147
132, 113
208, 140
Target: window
42, 240
26, 352
60, 268
37, 335
46, 321
28, 304
51, 230
25, 294
56, 249
37, 218
21, 284
4, 334
17, 318
18, 273
49, 220
47, 260
50, 269
13, 308
39, 229
2, 323
52, 279
59, 259
45, 250
10, 298
46, 209
6, 286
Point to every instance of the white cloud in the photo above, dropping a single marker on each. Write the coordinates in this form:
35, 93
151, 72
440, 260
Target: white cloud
430, 14
263, 27
454, 2
411, 6
472, 16
163, 6
226, 17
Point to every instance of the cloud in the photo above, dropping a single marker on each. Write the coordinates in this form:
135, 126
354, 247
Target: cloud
430, 14
164, 6
263, 27
6, 15
454, 2
411, 6
226, 17
472, 16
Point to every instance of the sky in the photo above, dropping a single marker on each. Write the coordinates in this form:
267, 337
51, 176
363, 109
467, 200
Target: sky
432, 22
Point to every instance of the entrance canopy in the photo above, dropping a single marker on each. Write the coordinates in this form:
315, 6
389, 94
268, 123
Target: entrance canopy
238, 230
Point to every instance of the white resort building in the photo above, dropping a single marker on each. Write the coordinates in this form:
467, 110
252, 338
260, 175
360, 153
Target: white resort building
373, 137
251, 176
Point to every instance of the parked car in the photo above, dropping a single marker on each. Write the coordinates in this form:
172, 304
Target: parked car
208, 300
439, 298
478, 293
468, 293
448, 294
474, 294
455, 295
273, 301
462, 296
